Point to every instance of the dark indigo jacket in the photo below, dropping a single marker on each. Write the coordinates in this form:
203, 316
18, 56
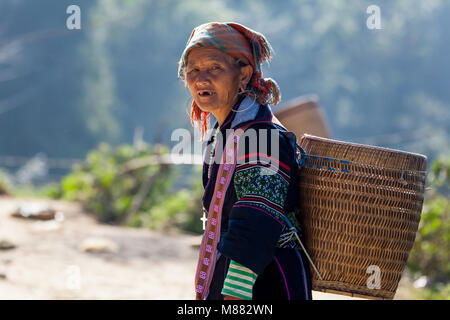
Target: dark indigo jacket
252, 227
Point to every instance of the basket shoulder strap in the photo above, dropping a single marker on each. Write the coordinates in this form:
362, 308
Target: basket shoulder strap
299, 151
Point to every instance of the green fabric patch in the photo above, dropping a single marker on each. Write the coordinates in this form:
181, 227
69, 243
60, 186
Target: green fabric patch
253, 181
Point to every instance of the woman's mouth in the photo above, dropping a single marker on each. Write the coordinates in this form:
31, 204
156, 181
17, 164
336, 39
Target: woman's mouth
206, 93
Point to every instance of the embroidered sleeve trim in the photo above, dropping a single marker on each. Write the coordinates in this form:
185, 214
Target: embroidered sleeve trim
239, 281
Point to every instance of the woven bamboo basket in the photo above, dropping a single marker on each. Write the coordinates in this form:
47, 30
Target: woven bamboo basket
361, 207
303, 115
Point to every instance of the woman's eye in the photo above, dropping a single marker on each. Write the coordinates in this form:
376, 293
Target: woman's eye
215, 68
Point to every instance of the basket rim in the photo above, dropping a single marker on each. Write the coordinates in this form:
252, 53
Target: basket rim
291, 110
301, 101
354, 144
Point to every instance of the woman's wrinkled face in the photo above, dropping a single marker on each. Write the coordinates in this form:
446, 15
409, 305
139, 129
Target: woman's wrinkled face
213, 80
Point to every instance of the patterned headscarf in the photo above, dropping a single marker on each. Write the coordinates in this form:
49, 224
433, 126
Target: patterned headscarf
241, 43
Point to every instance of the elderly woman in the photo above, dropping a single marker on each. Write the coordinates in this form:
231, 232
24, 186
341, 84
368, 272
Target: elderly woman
248, 250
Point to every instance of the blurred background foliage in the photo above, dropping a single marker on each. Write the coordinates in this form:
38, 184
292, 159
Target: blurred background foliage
126, 186
430, 257
81, 94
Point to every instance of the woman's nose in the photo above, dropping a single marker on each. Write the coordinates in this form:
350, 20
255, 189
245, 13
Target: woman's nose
203, 77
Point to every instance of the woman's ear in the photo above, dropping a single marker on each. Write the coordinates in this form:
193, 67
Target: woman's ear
246, 75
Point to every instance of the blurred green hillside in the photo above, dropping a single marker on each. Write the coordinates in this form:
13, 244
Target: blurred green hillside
64, 91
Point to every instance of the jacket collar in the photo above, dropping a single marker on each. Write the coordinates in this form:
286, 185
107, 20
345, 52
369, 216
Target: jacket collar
246, 111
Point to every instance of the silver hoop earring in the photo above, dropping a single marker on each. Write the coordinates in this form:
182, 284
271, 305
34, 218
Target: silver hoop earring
188, 104
253, 101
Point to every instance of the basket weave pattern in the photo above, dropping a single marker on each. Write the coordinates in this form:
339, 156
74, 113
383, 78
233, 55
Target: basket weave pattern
361, 207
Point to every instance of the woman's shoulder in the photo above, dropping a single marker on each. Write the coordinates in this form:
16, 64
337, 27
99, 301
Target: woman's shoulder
272, 133
264, 140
